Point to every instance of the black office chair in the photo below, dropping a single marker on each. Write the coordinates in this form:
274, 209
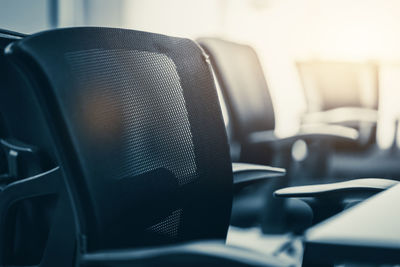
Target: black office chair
244, 88
245, 91
139, 162
322, 81
334, 91
250, 106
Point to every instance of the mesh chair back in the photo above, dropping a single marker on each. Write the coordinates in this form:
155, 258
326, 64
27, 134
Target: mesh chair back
139, 133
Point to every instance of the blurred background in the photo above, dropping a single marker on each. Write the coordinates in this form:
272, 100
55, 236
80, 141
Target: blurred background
284, 33
303, 45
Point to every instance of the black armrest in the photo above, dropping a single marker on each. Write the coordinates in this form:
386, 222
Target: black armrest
246, 173
46, 183
341, 189
329, 199
22, 160
206, 253
309, 132
43, 184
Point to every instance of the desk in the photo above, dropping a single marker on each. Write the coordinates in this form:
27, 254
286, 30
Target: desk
366, 233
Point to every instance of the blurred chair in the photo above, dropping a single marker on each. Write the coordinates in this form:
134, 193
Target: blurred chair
250, 107
140, 168
343, 93
251, 129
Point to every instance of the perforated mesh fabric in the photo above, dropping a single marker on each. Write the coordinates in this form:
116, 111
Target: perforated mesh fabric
144, 101
141, 134
169, 226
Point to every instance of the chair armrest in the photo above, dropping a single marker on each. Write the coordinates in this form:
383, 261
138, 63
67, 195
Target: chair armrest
202, 253
246, 173
334, 132
329, 199
309, 132
337, 190
45, 183
344, 115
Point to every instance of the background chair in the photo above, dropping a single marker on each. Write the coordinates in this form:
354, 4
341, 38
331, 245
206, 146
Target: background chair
133, 121
251, 126
343, 93
250, 106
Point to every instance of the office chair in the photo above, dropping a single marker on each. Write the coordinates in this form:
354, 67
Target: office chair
237, 69
250, 106
334, 92
244, 88
139, 170
346, 93
243, 85
322, 81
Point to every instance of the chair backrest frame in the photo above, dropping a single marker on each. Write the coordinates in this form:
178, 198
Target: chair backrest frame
241, 77
44, 59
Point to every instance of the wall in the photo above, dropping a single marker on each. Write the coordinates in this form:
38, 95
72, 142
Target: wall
282, 31
24, 15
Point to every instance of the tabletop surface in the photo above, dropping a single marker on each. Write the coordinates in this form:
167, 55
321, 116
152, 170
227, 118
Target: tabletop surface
373, 223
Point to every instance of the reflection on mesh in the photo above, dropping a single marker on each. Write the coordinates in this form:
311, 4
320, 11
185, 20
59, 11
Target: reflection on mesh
169, 226
144, 102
